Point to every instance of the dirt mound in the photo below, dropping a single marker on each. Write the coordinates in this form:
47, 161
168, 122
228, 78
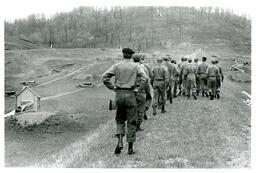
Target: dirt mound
57, 123
237, 76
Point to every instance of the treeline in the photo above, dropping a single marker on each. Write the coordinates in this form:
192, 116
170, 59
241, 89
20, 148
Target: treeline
138, 27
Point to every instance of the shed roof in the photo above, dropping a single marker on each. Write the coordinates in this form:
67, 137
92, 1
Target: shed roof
26, 87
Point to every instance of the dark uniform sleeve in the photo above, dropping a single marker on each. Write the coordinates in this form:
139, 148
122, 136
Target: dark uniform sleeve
142, 77
221, 73
149, 71
107, 76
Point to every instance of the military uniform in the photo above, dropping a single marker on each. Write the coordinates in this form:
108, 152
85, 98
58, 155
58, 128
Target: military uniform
176, 80
126, 75
190, 76
173, 74
196, 64
141, 95
212, 72
160, 82
148, 89
182, 77
201, 72
219, 80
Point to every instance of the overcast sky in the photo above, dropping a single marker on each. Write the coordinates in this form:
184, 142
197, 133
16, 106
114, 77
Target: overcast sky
15, 9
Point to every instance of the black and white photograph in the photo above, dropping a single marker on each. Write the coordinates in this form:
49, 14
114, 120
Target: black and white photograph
109, 84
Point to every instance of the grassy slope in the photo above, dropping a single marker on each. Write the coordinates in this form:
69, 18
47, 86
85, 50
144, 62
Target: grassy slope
200, 134
192, 134
88, 109
180, 138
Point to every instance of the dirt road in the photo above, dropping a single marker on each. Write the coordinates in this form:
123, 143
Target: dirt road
192, 134
67, 75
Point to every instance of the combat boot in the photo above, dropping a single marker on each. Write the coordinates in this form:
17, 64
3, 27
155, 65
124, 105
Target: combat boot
145, 117
194, 95
206, 94
138, 128
163, 109
211, 96
119, 146
130, 148
170, 100
197, 93
218, 95
188, 96
154, 110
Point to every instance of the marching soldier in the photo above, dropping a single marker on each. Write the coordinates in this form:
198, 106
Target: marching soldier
182, 77
149, 90
196, 64
160, 83
190, 77
141, 95
173, 73
176, 78
127, 74
201, 72
212, 72
220, 79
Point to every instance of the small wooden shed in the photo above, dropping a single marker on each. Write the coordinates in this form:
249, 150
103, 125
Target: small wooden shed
28, 97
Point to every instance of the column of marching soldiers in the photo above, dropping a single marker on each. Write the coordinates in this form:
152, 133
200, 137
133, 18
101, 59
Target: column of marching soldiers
137, 86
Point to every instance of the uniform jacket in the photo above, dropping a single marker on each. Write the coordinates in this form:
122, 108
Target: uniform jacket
127, 74
160, 73
190, 72
201, 69
212, 71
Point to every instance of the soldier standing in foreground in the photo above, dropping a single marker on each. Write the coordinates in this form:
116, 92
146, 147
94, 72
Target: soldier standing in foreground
220, 79
160, 83
212, 72
127, 74
190, 76
201, 70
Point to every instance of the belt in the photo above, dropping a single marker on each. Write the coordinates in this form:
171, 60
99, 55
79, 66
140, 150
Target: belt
125, 89
159, 79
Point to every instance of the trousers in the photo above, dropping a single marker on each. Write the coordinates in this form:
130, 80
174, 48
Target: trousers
126, 107
159, 93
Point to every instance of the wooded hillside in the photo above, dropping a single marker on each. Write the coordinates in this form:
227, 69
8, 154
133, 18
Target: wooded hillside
141, 28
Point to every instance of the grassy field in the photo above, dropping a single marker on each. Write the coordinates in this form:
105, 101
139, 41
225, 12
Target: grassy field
192, 134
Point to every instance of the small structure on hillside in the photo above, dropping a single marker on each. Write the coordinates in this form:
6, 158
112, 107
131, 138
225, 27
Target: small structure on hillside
27, 99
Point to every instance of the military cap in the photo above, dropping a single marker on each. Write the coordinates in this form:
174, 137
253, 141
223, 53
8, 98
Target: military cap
195, 59
142, 57
136, 58
159, 60
172, 61
128, 51
185, 59
204, 58
189, 60
165, 58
